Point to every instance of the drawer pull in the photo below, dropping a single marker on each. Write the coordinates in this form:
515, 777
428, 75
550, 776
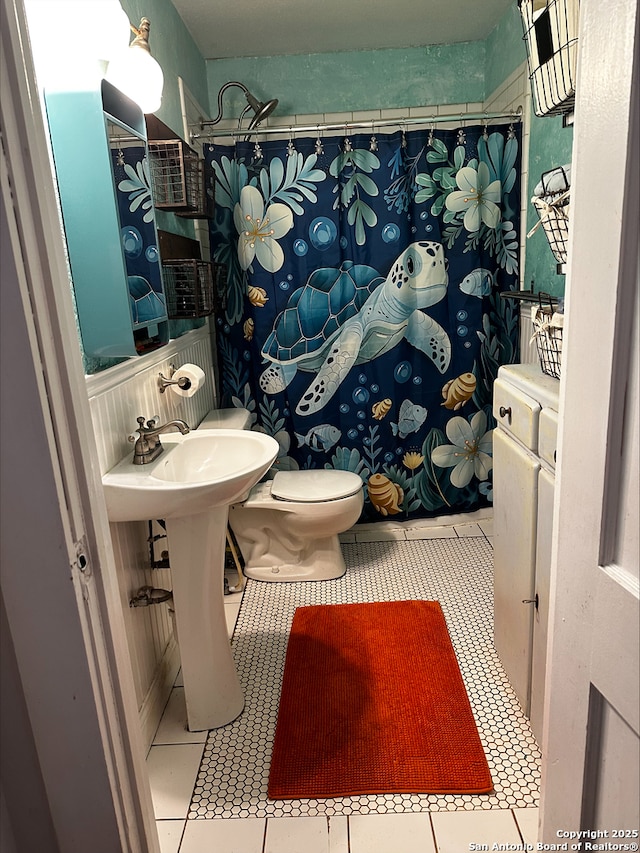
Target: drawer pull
505, 412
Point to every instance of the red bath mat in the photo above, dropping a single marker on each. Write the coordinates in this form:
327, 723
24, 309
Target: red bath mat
373, 702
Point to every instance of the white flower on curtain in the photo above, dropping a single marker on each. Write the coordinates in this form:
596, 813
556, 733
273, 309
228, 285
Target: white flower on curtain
260, 230
478, 196
470, 451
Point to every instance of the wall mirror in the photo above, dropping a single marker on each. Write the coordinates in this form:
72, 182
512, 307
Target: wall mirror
99, 145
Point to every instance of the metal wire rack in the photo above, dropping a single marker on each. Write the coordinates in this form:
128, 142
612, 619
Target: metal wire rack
177, 178
189, 288
548, 331
552, 208
551, 36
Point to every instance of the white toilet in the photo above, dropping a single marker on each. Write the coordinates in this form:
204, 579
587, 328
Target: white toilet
287, 528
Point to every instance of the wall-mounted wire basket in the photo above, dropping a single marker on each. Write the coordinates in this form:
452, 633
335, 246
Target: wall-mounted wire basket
202, 197
177, 178
548, 327
552, 207
551, 36
188, 287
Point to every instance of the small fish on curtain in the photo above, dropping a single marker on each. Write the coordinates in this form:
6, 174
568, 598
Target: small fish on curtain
363, 326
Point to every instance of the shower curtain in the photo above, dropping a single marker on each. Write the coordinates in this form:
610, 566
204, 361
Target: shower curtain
361, 322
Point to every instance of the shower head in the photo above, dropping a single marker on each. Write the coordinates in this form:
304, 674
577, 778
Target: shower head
261, 109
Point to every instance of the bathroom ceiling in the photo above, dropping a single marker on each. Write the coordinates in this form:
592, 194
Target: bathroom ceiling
242, 28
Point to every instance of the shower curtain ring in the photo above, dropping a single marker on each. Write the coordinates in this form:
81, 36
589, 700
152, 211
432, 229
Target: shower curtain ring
432, 128
462, 136
373, 144
291, 148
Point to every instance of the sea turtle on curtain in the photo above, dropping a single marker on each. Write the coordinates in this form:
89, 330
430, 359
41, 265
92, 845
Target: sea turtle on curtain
350, 315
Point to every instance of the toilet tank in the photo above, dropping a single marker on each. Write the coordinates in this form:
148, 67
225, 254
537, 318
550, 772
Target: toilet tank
234, 418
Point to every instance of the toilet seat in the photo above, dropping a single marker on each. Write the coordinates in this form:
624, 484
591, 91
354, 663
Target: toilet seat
326, 484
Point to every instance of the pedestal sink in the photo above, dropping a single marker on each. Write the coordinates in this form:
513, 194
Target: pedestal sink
190, 486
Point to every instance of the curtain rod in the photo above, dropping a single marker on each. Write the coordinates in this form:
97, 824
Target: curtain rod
515, 115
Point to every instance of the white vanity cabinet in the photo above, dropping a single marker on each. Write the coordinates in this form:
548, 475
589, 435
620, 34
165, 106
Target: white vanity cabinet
525, 405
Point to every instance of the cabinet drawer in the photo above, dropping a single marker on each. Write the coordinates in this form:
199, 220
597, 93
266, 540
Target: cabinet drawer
517, 413
548, 436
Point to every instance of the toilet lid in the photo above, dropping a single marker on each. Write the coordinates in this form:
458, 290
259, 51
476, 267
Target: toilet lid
311, 486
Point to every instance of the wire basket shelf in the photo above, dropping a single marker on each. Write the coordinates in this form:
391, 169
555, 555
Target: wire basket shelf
553, 212
551, 36
177, 179
189, 288
548, 329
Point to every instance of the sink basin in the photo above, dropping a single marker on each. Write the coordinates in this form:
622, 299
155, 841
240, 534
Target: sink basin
202, 469
190, 485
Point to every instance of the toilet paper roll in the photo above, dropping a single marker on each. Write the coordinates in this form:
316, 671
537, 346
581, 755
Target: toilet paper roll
194, 374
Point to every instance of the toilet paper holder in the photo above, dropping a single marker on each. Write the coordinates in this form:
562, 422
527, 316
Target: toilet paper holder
183, 382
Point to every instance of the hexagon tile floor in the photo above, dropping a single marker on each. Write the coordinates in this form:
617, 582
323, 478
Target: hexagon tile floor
232, 780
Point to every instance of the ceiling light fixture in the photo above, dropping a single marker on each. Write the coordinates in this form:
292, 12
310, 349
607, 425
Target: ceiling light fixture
63, 61
136, 73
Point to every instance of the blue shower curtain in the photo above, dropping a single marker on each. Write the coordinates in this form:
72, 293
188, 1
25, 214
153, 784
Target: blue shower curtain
362, 323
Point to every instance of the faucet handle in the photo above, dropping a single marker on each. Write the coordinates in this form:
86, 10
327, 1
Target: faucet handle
133, 437
152, 422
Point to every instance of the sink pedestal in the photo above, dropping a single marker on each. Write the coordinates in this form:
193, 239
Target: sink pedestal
197, 551
191, 486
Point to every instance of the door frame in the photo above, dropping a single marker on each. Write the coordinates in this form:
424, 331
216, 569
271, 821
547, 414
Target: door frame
64, 617
593, 647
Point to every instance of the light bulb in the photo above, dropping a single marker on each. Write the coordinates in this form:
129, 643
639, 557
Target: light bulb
137, 74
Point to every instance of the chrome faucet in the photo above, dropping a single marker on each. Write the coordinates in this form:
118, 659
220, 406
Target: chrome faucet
148, 447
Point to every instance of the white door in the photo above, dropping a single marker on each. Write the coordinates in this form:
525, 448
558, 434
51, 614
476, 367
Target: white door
590, 743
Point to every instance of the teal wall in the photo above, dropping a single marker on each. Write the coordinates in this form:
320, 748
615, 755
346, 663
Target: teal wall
374, 79
350, 81
505, 49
